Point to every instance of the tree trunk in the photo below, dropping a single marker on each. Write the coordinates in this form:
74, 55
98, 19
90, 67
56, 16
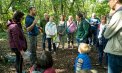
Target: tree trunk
61, 6
0, 6
71, 9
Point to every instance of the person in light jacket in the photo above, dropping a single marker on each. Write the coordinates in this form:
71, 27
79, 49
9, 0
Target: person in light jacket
51, 32
113, 33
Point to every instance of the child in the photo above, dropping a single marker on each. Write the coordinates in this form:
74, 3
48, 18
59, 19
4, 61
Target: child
44, 64
51, 32
82, 62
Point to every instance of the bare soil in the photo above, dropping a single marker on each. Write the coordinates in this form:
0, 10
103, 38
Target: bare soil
63, 60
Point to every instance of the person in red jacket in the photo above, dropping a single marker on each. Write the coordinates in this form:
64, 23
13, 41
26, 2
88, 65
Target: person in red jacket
17, 39
43, 64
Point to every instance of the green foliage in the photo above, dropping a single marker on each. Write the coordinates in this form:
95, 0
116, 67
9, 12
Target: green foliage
102, 9
56, 7
3, 35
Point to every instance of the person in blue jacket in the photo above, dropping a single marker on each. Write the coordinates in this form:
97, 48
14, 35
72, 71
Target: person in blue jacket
82, 61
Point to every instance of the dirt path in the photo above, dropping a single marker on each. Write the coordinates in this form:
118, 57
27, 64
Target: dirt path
63, 60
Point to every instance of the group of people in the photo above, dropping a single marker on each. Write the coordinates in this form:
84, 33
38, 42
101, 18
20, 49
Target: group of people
105, 35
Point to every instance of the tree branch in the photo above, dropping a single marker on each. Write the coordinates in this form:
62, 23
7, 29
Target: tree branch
8, 7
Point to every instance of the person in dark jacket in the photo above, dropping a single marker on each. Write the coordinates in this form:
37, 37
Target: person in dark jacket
17, 39
82, 29
94, 22
43, 22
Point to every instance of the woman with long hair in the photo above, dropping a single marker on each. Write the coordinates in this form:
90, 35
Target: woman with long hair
17, 40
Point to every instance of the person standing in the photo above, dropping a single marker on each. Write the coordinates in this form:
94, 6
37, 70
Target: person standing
102, 40
33, 31
61, 30
71, 29
94, 22
113, 33
51, 32
83, 29
43, 22
17, 40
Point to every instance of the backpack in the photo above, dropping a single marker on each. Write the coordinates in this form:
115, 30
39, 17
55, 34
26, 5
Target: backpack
72, 27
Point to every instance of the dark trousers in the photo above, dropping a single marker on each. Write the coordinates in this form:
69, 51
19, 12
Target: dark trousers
100, 52
33, 48
19, 60
70, 38
62, 40
114, 63
101, 47
50, 41
93, 39
43, 40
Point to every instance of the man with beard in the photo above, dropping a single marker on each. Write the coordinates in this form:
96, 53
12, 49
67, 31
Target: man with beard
33, 31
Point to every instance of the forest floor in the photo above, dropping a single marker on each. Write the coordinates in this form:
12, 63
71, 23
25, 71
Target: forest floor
63, 60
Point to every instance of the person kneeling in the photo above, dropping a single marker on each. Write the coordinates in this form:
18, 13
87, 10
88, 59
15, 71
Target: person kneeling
44, 64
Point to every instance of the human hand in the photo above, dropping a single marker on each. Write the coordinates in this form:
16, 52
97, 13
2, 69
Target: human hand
22, 52
40, 29
35, 21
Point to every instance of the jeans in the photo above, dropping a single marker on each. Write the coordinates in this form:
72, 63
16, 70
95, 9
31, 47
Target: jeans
49, 40
43, 40
19, 60
93, 38
33, 48
114, 63
101, 47
100, 52
62, 40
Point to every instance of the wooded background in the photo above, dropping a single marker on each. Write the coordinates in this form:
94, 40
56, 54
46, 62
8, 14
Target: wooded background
55, 7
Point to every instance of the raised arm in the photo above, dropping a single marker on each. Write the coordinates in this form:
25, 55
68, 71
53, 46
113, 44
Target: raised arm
29, 24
